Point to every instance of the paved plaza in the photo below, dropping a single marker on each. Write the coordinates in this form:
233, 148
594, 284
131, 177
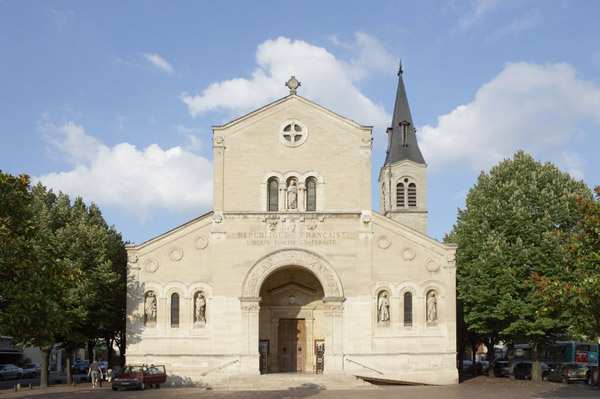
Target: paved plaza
479, 387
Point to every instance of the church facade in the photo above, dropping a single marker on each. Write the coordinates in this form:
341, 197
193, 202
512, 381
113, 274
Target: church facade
293, 271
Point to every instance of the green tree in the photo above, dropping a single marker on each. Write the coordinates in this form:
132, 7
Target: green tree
97, 252
579, 291
33, 278
508, 233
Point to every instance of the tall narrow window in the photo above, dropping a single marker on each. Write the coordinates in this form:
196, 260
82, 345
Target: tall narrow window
412, 195
407, 309
400, 195
273, 195
311, 195
175, 310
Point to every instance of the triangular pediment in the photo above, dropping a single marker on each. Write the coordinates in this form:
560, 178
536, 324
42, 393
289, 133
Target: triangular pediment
282, 104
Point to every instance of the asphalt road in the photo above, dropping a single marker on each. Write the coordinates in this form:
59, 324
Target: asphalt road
479, 387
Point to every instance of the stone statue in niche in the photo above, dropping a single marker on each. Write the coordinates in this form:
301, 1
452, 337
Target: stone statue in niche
292, 195
383, 308
200, 308
431, 307
150, 308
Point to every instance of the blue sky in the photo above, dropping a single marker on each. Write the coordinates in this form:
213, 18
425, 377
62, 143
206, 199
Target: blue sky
114, 100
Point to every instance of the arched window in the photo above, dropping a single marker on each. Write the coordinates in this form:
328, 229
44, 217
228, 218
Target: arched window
400, 195
311, 194
273, 195
175, 310
407, 309
412, 195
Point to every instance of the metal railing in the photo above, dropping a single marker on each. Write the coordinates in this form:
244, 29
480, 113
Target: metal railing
220, 367
362, 365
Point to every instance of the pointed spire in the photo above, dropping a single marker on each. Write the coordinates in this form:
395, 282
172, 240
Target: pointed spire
402, 140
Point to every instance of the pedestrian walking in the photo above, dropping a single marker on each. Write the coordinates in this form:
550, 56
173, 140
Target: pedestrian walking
94, 371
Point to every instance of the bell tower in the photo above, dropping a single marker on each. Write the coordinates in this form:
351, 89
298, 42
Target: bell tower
402, 179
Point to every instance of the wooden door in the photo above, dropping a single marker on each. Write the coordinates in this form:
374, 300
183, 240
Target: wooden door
292, 345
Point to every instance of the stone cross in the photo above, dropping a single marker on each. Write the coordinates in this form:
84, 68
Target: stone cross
293, 84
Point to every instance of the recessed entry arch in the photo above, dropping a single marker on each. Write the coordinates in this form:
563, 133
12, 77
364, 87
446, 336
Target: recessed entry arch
268, 264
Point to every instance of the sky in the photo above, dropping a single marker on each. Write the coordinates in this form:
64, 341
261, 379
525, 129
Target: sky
114, 101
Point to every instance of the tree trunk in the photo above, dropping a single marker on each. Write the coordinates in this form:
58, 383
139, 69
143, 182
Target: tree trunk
536, 367
90, 349
68, 363
44, 377
511, 360
473, 358
491, 357
122, 344
109, 350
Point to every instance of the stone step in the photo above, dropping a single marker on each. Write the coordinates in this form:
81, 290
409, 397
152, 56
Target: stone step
290, 381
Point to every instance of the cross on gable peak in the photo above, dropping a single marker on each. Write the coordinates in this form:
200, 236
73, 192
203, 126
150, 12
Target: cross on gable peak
293, 84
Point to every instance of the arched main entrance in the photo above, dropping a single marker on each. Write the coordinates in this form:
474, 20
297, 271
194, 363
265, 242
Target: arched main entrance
291, 320
291, 298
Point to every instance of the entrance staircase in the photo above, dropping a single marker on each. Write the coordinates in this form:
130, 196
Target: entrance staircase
290, 382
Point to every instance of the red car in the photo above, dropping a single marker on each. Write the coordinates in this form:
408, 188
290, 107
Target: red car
139, 377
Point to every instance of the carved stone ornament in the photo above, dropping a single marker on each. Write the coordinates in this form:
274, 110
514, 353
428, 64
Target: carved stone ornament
408, 254
175, 254
365, 217
432, 265
151, 265
219, 140
324, 272
133, 259
273, 224
384, 242
217, 217
200, 242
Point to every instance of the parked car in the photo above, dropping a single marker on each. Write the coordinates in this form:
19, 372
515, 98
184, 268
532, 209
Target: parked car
8, 371
522, 371
80, 367
139, 377
467, 366
500, 368
32, 370
482, 367
567, 373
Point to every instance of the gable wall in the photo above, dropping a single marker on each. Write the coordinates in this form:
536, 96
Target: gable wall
333, 150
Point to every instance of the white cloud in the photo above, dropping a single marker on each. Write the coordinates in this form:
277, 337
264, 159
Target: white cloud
477, 11
537, 108
526, 22
325, 79
137, 181
61, 17
160, 63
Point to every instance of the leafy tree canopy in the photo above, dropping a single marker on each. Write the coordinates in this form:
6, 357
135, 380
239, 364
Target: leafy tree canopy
578, 292
510, 231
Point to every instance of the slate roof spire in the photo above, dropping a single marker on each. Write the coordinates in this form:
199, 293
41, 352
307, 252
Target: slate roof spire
402, 136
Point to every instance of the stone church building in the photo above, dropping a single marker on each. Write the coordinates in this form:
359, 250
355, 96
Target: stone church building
293, 271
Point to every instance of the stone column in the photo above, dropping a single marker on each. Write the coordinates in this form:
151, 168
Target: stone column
301, 197
334, 349
249, 357
282, 206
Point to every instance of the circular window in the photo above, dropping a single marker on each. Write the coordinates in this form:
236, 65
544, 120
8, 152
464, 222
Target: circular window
293, 133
